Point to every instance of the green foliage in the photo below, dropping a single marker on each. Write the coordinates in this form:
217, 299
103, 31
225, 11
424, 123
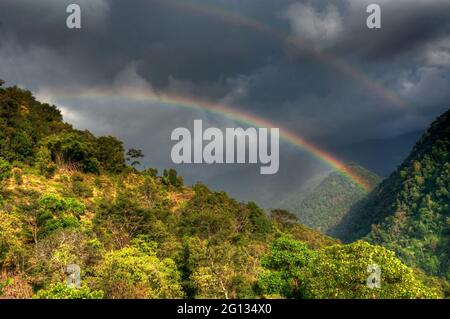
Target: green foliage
171, 178
136, 272
110, 154
62, 291
58, 213
5, 284
11, 243
5, 170
17, 173
76, 149
151, 172
79, 187
34, 132
219, 270
126, 215
285, 267
44, 162
409, 212
339, 271
323, 206
24, 122
133, 155
283, 217
215, 215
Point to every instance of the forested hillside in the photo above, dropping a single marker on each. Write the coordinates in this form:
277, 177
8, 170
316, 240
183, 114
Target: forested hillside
409, 212
68, 197
323, 206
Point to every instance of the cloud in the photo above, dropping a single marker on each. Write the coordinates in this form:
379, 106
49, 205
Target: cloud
407, 26
437, 53
428, 87
322, 27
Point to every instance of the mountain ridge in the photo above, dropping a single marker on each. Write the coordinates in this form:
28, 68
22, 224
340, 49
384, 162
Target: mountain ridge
409, 211
328, 200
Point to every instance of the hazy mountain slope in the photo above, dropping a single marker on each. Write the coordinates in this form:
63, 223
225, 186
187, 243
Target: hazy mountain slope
410, 210
382, 156
326, 202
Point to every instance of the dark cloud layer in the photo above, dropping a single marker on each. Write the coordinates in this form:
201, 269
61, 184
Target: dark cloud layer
206, 49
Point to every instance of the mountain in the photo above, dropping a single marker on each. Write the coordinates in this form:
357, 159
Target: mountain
409, 212
329, 199
381, 156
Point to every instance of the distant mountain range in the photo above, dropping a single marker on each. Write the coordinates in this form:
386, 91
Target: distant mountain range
328, 198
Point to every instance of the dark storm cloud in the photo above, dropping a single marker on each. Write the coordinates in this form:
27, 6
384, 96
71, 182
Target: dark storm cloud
165, 40
182, 47
407, 25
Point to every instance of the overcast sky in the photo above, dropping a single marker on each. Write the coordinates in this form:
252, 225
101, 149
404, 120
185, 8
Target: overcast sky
363, 85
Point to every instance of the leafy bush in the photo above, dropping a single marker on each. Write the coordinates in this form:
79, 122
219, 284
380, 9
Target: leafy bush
44, 162
74, 149
5, 169
57, 213
62, 291
79, 187
136, 272
110, 154
339, 271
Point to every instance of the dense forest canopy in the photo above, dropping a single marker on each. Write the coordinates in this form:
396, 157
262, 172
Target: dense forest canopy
68, 197
409, 212
323, 206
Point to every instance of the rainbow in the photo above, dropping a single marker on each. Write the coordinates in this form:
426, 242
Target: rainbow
248, 118
146, 96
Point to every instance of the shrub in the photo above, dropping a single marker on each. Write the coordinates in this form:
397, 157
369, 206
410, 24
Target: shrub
62, 291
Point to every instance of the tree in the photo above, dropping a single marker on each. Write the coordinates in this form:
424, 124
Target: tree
341, 271
283, 217
5, 170
110, 154
76, 149
285, 265
133, 155
123, 220
219, 270
56, 213
62, 291
11, 245
137, 272
170, 177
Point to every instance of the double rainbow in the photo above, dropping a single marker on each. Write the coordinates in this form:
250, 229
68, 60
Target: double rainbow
248, 118
146, 96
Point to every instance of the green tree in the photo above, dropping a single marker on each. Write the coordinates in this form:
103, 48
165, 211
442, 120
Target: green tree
76, 149
137, 272
5, 170
110, 154
62, 291
56, 213
11, 244
133, 155
285, 265
341, 271
170, 177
